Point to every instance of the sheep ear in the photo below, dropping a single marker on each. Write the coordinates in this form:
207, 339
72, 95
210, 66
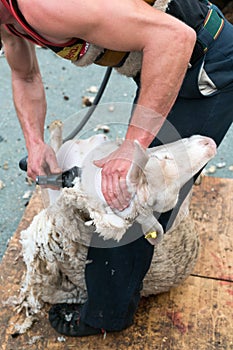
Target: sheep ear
151, 228
138, 165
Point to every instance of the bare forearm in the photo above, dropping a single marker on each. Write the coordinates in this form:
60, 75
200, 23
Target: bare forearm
160, 84
30, 104
27, 86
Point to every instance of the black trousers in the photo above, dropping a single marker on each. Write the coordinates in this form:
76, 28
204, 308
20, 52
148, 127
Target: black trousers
115, 275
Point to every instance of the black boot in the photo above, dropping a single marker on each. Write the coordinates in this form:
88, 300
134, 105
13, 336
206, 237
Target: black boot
65, 319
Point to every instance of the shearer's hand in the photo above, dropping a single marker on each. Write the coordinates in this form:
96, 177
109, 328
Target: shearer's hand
115, 168
42, 161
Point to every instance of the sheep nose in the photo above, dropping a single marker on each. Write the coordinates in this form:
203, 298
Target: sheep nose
207, 141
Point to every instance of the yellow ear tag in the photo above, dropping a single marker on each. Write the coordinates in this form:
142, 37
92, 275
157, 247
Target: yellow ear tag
152, 234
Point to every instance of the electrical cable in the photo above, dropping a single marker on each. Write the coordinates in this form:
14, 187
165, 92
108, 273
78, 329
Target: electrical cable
93, 107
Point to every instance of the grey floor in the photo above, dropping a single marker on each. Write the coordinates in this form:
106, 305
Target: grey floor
65, 86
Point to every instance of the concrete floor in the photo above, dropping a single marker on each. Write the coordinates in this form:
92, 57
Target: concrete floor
65, 85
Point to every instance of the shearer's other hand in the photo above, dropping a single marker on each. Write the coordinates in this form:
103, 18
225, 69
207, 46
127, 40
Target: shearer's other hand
42, 161
115, 168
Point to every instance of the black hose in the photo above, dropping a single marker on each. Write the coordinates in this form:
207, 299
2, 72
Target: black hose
92, 108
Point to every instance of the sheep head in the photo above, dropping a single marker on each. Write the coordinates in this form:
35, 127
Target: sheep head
169, 167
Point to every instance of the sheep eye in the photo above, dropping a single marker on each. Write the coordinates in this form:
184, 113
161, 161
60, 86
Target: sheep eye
169, 157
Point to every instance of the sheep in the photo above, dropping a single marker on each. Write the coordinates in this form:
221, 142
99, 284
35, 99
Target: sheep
55, 245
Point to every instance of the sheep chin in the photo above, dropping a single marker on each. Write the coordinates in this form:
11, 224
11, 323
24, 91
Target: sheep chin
111, 226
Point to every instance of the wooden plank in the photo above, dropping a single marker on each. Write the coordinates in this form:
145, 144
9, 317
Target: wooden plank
212, 210
195, 316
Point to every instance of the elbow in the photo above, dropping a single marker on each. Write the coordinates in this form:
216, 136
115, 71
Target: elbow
185, 39
172, 38
189, 37
29, 76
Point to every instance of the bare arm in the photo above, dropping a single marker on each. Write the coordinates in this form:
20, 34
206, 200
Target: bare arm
29, 100
129, 25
